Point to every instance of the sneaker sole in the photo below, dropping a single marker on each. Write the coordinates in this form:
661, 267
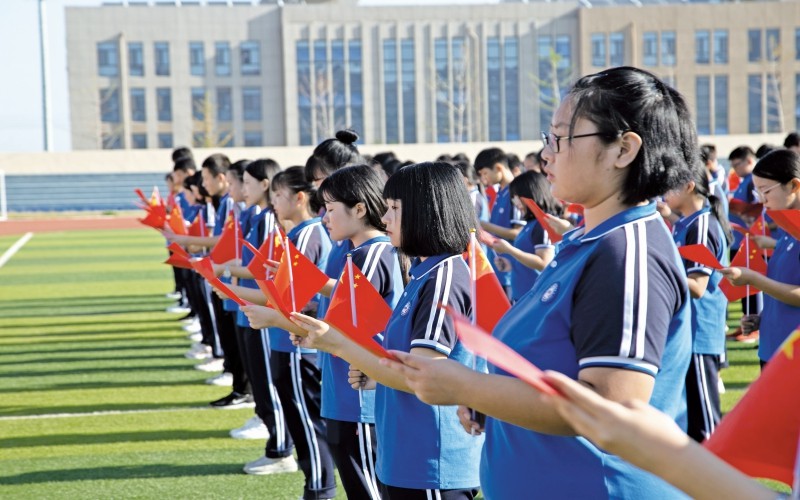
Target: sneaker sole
234, 407
268, 472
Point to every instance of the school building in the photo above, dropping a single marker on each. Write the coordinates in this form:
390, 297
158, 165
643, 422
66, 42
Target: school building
242, 73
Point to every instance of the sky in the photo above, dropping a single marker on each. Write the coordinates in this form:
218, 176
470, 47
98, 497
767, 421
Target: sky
21, 85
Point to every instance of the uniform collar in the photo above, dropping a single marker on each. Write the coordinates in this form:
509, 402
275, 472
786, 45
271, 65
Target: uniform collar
377, 239
420, 268
633, 214
296, 229
686, 221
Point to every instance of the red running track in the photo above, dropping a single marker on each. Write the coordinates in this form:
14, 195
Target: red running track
20, 227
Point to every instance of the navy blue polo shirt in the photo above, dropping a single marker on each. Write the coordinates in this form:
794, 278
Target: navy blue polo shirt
745, 192
423, 446
377, 259
531, 238
708, 311
258, 227
311, 240
779, 319
504, 214
243, 215
615, 297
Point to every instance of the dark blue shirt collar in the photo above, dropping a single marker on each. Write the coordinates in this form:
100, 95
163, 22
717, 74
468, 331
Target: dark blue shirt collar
420, 268
296, 229
577, 236
686, 221
378, 239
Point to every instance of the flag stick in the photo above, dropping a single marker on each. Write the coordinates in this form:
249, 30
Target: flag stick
473, 290
353, 309
236, 244
747, 264
271, 249
291, 275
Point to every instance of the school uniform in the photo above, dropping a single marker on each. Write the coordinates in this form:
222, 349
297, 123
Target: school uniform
615, 298
297, 379
351, 419
779, 319
423, 447
708, 324
202, 289
745, 191
504, 214
256, 350
481, 204
531, 238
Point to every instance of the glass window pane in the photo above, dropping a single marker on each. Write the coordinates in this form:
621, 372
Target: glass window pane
253, 138
162, 58
650, 49
138, 111
139, 141
224, 104
109, 105
721, 104
599, 50
199, 103
721, 46
165, 141
754, 45
302, 60
164, 104
250, 52
442, 66
197, 59
774, 124
251, 103
511, 78
754, 104
668, 48
222, 58
703, 110
494, 88
135, 59
702, 42
356, 88
108, 59
391, 104
408, 86
773, 39
616, 51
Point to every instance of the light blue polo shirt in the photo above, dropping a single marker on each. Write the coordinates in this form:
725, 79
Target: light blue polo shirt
377, 259
256, 233
531, 238
709, 311
744, 192
615, 297
423, 446
244, 215
779, 319
504, 214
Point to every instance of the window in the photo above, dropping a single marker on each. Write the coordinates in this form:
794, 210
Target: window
138, 112
251, 104
442, 67
547, 99
721, 104
109, 105
753, 45
702, 46
111, 140
322, 87
222, 58
199, 140
599, 50
650, 49
797, 44
253, 139
720, 46
197, 59
251, 58
225, 139
339, 92
511, 78
356, 88
139, 141
774, 123
408, 84
107, 59
165, 141
616, 50
198, 103
224, 104
391, 103
459, 85
754, 106
135, 59
164, 104
303, 61
494, 88
703, 101
162, 58
668, 48
773, 39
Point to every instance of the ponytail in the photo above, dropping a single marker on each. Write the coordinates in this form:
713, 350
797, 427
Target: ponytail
701, 188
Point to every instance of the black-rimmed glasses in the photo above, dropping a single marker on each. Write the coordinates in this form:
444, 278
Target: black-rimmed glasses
552, 140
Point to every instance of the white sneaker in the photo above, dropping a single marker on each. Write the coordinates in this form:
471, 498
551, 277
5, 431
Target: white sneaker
192, 327
195, 337
198, 351
224, 379
266, 465
254, 428
174, 295
211, 365
178, 309
720, 386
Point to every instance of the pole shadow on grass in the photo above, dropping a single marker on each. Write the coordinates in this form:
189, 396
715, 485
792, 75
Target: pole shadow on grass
151, 471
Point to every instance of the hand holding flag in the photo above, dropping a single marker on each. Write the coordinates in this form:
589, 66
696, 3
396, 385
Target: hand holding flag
284, 292
788, 220
227, 247
206, 270
541, 218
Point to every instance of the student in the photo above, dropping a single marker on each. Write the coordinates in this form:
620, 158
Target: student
532, 250
474, 187
703, 222
422, 453
354, 206
493, 169
776, 179
645, 437
295, 372
792, 142
332, 154
612, 308
717, 179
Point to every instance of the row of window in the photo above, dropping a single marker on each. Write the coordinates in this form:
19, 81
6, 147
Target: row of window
251, 138
108, 58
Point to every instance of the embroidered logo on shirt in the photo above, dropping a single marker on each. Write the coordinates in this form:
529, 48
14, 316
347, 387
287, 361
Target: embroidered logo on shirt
501, 210
550, 293
405, 309
790, 246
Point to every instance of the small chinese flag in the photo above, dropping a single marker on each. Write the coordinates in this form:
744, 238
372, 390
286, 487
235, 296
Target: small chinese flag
788, 220
176, 220
198, 226
700, 254
759, 227
554, 235
227, 247
296, 273
206, 270
742, 208
271, 249
358, 310
156, 217
491, 302
749, 256
759, 436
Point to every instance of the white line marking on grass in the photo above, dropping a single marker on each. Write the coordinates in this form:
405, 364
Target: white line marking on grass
15, 248
100, 413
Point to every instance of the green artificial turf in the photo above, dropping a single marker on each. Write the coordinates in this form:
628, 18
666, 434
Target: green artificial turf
83, 330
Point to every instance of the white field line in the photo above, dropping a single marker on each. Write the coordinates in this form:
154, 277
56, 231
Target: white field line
100, 413
14, 248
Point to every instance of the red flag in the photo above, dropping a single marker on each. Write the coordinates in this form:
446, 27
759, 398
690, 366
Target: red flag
759, 436
700, 254
141, 196
749, 256
759, 227
371, 311
198, 226
741, 229
156, 217
178, 261
300, 275
491, 302
178, 250
206, 270
176, 220
484, 345
742, 208
487, 238
554, 235
574, 208
271, 249
788, 220
227, 247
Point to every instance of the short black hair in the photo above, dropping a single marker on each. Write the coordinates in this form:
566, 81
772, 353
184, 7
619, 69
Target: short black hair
353, 185
489, 157
185, 164
181, 152
781, 165
534, 185
792, 140
741, 153
294, 179
238, 169
627, 99
169, 177
332, 154
437, 214
217, 164
765, 148
707, 153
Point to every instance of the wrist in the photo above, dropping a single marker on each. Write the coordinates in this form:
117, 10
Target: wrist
226, 271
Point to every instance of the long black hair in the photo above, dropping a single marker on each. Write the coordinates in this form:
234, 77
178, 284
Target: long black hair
353, 185
294, 179
701, 188
261, 169
534, 185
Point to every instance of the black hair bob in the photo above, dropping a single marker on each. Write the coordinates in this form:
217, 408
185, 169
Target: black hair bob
781, 165
534, 185
437, 214
627, 99
353, 185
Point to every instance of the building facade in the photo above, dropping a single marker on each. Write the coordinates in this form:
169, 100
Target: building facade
232, 73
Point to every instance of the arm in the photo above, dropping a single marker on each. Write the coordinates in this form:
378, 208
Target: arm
267, 317
698, 283
537, 261
508, 233
786, 293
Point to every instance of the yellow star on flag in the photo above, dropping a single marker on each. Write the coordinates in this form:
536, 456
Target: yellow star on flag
788, 346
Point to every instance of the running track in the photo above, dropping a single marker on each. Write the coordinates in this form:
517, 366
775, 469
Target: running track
20, 227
